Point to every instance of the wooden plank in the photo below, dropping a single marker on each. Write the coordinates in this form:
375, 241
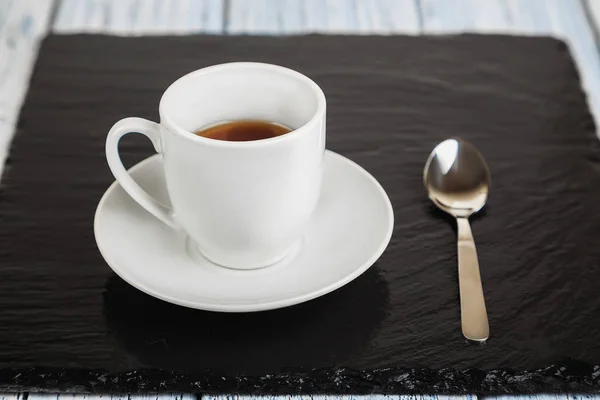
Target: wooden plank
545, 397
47, 396
322, 16
25, 22
593, 8
338, 397
388, 17
64, 15
315, 16
80, 16
527, 17
137, 17
276, 17
257, 17
8, 396
442, 16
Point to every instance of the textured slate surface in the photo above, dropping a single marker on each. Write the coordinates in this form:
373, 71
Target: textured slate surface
390, 100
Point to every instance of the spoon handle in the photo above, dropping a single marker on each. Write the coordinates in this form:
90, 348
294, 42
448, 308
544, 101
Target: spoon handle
474, 319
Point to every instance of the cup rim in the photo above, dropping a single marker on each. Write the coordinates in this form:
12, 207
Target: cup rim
316, 118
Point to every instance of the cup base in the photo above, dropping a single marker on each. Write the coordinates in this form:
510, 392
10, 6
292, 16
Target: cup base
200, 257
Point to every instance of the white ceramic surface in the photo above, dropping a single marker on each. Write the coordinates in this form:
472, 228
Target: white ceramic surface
244, 204
350, 228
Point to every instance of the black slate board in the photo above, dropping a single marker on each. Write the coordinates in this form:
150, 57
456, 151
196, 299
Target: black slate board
68, 323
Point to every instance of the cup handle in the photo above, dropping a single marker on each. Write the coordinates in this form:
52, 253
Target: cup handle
151, 131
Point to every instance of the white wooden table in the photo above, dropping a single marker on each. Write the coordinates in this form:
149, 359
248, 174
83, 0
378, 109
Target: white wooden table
24, 22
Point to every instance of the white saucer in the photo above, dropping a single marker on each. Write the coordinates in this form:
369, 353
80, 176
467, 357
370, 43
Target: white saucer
350, 229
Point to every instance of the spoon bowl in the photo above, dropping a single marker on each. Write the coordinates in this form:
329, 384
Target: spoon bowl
457, 180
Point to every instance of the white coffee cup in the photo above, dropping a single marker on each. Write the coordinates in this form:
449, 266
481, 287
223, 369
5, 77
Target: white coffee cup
243, 204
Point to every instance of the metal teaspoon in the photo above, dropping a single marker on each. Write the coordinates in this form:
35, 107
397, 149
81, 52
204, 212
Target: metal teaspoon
458, 181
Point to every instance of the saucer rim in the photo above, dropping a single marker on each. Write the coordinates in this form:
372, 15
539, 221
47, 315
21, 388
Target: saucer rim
256, 306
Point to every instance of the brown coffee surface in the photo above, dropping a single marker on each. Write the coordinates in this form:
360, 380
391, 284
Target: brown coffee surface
243, 131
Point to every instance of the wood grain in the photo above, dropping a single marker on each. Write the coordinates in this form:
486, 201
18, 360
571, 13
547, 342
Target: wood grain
75, 396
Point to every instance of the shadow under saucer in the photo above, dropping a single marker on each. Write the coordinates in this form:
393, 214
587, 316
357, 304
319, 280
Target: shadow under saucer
323, 332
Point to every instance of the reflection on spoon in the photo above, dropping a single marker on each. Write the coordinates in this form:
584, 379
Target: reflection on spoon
446, 153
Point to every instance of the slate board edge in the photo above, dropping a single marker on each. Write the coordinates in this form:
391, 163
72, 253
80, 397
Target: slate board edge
568, 377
